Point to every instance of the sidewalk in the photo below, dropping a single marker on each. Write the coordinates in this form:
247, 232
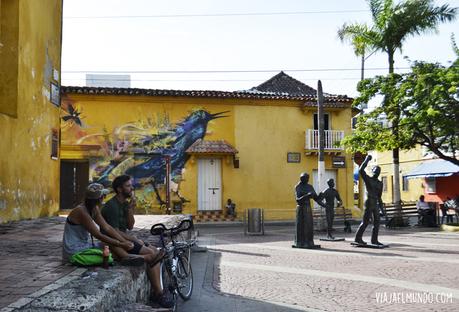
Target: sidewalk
32, 275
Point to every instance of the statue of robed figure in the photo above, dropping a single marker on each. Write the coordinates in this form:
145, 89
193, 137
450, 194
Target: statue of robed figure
304, 192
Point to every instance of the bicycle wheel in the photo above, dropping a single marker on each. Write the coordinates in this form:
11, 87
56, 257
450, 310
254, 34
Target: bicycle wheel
167, 282
184, 277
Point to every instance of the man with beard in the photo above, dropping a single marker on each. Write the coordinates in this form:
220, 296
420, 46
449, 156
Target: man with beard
119, 213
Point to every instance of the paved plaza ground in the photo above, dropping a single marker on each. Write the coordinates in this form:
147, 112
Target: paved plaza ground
419, 272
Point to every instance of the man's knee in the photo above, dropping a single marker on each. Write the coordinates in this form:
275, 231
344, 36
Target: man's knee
147, 251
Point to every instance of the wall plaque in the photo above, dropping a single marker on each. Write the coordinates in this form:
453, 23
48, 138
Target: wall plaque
293, 157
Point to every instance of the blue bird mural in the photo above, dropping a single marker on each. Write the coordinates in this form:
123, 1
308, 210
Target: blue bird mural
179, 139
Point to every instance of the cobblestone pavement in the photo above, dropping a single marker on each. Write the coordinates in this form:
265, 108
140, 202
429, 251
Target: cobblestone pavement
30, 257
418, 272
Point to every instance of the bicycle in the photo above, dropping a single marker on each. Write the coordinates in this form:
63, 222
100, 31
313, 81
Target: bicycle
176, 274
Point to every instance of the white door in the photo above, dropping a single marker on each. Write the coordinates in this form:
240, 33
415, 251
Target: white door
209, 184
329, 174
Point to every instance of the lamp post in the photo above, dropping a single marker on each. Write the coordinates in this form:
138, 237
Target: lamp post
168, 189
321, 160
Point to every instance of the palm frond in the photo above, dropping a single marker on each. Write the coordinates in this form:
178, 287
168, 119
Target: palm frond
416, 17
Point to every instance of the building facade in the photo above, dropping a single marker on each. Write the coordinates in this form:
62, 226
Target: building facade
30, 62
420, 174
247, 146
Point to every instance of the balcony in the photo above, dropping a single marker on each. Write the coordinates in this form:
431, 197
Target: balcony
333, 139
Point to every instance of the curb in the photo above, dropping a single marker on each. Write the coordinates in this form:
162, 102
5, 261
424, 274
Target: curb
238, 224
83, 290
21, 303
450, 228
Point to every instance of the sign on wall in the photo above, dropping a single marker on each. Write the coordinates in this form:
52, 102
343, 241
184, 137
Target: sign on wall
55, 94
293, 157
339, 162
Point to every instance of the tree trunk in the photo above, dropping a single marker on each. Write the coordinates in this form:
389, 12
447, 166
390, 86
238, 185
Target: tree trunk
395, 154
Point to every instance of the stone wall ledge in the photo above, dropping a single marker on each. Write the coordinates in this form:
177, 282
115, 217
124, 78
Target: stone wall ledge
94, 289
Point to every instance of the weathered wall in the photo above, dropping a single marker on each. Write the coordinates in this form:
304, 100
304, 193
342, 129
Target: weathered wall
29, 178
262, 131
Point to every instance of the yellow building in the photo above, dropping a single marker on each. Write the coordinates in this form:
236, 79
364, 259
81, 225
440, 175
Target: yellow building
30, 60
249, 146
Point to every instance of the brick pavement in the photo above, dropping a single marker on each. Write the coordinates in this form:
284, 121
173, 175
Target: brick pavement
31, 254
30, 257
341, 277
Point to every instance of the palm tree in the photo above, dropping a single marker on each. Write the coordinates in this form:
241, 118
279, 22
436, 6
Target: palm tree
392, 25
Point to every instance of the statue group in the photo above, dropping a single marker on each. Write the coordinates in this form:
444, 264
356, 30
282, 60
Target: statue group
304, 192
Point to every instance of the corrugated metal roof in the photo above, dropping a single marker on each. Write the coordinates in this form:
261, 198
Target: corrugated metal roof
433, 169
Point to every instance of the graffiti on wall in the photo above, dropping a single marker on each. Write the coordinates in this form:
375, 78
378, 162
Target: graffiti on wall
139, 149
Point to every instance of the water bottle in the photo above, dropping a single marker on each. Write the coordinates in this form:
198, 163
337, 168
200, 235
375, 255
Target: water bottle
105, 255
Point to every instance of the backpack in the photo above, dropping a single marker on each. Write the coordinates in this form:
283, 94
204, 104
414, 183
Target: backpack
88, 257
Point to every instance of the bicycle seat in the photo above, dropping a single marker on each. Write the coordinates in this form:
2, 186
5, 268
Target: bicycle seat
158, 229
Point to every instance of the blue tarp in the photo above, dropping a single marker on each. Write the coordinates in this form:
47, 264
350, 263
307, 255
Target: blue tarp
433, 169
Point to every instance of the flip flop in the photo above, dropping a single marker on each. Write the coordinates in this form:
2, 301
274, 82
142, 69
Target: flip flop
158, 257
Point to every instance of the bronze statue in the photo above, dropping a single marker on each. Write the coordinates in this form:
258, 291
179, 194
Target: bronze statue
330, 195
304, 236
373, 205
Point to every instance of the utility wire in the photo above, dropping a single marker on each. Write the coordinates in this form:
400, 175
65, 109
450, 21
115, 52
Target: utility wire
215, 14
221, 71
199, 80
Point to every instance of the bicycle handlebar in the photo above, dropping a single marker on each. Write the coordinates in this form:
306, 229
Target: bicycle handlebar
159, 229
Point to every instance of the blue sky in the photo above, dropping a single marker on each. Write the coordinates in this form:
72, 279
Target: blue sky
227, 43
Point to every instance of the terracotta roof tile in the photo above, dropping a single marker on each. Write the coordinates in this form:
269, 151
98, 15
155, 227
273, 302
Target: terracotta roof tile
211, 147
283, 83
279, 87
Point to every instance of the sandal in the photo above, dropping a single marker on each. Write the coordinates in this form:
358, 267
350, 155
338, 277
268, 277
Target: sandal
158, 257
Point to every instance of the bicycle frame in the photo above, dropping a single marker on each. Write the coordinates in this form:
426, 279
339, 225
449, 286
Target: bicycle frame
175, 268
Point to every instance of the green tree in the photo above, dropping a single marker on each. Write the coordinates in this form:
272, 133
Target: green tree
426, 101
392, 24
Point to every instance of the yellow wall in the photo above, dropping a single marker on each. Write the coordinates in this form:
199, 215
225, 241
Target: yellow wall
263, 131
408, 160
29, 179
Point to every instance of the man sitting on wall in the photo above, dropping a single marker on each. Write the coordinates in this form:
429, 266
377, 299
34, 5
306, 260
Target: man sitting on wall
119, 213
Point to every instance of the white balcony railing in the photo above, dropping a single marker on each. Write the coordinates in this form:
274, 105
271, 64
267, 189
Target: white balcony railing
332, 139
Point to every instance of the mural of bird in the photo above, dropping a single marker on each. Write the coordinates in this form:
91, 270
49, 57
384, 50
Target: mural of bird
179, 139
73, 115
187, 132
